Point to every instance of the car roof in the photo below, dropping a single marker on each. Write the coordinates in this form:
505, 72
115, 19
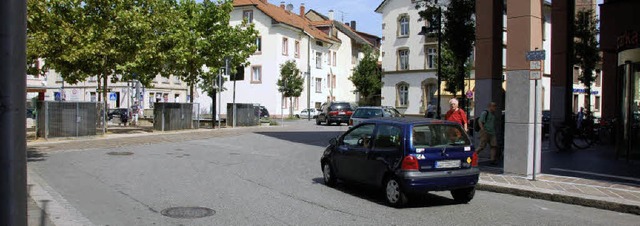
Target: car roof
411, 121
371, 107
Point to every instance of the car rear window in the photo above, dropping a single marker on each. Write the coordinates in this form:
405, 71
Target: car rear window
338, 107
367, 113
439, 135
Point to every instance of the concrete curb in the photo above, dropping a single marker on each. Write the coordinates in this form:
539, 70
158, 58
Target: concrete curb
559, 197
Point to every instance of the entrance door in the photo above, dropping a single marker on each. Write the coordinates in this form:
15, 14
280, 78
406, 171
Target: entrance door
630, 111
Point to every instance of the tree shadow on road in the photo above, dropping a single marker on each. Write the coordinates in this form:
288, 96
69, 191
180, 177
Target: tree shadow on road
33, 155
305, 137
376, 195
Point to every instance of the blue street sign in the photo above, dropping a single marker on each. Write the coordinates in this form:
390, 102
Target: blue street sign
112, 96
535, 55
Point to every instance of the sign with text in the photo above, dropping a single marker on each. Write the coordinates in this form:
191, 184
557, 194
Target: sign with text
535, 55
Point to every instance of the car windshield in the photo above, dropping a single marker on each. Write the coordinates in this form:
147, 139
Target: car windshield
340, 107
439, 135
367, 113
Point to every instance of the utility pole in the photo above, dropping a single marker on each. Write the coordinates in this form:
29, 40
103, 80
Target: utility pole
13, 159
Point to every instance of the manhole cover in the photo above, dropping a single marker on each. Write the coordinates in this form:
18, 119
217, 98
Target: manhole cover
187, 212
120, 153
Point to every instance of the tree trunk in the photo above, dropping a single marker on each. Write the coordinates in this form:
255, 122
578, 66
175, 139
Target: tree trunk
191, 93
588, 78
290, 107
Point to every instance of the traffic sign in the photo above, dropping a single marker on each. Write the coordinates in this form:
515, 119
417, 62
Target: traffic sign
112, 96
535, 55
535, 65
535, 75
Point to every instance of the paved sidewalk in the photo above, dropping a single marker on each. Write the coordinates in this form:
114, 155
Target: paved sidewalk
615, 196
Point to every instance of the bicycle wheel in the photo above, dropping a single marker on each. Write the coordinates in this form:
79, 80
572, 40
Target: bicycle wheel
561, 140
581, 141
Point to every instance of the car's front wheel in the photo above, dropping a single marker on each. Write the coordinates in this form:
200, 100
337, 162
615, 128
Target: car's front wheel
328, 175
394, 195
463, 195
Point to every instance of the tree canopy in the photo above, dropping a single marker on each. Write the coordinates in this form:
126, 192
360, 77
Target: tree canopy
367, 77
291, 82
586, 50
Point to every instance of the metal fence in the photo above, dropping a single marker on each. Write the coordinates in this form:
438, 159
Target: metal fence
68, 119
175, 116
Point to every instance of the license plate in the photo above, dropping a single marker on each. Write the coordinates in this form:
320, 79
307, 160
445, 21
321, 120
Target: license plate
447, 164
341, 113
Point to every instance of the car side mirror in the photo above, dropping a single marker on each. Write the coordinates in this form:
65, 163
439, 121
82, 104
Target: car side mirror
333, 141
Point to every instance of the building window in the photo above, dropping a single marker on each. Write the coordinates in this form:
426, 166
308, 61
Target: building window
93, 96
176, 80
328, 80
403, 24
576, 74
319, 60
296, 103
333, 81
259, 44
256, 74
297, 49
248, 15
597, 103
318, 85
403, 59
334, 59
402, 99
598, 77
431, 57
329, 58
152, 99
285, 46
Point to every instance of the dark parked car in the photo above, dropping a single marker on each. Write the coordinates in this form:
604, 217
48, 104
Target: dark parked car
363, 113
335, 112
404, 156
117, 111
264, 113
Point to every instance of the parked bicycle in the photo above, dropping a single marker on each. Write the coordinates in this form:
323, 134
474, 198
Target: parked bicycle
569, 135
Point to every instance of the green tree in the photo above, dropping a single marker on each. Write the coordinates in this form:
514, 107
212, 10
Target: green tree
586, 51
367, 77
290, 83
458, 36
222, 41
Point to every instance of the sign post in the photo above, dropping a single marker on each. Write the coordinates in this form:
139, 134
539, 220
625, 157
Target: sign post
535, 59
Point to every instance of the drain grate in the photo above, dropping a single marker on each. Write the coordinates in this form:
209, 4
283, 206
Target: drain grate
120, 153
188, 212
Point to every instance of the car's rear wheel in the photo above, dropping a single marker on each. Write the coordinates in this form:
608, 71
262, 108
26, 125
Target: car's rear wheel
463, 195
394, 195
317, 121
327, 122
328, 175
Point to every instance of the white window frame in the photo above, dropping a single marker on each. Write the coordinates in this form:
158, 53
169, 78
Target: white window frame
402, 90
403, 26
432, 55
285, 46
319, 60
248, 15
318, 85
256, 78
405, 57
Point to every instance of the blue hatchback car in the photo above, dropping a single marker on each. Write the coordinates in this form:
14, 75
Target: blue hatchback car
404, 156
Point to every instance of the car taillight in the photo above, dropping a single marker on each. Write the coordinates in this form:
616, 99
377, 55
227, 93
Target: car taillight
474, 159
349, 113
410, 163
350, 122
333, 113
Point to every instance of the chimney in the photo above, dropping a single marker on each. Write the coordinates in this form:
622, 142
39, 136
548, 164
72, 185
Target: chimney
353, 25
331, 14
302, 9
282, 5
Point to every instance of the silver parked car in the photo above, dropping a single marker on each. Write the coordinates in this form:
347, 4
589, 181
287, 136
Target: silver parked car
306, 112
367, 112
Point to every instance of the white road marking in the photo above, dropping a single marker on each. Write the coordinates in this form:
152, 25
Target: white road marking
59, 210
597, 174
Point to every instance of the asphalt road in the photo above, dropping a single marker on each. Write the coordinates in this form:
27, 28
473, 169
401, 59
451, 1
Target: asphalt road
268, 177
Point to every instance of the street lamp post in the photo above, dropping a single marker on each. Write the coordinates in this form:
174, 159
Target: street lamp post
425, 31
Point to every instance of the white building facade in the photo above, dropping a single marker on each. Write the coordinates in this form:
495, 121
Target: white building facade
287, 35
